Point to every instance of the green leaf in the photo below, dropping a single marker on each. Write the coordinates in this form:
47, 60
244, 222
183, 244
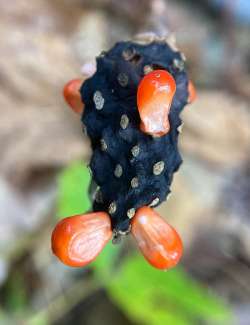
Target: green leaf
154, 297
40, 318
16, 295
73, 183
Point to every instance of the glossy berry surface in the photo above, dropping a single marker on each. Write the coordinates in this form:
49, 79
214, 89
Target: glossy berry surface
72, 95
77, 240
159, 243
154, 97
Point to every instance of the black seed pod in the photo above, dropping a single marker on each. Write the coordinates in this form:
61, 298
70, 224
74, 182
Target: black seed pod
131, 168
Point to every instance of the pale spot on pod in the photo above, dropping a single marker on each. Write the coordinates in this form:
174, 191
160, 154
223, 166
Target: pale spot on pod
77, 240
131, 213
112, 207
135, 150
178, 64
154, 97
124, 121
158, 241
104, 146
134, 182
147, 69
98, 100
154, 202
118, 171
158, 167
98, 196
122, 79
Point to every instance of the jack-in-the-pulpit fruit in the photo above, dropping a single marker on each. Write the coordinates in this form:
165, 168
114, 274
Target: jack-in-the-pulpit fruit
130, 109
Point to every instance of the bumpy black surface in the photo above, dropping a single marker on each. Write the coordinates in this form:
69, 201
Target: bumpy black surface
118, 74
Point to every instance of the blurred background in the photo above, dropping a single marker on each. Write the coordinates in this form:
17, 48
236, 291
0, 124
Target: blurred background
44, 174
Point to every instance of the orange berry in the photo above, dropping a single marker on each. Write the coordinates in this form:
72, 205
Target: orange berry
77, 240
154, 97
158, 241
72, 96
191, 92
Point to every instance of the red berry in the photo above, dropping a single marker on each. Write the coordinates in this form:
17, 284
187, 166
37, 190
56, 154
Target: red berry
72, 96
158, 241
77, 240
154, 97
191, 92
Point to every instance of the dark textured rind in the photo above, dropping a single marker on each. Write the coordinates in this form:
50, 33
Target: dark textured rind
118, 74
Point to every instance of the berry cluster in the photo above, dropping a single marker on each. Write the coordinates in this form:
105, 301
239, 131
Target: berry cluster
131, 110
